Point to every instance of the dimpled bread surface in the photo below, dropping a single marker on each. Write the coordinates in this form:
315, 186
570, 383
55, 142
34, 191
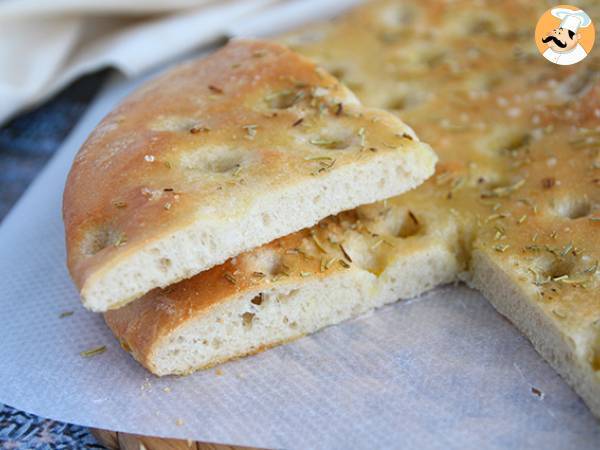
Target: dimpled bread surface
514, 207
221, 155
519, 145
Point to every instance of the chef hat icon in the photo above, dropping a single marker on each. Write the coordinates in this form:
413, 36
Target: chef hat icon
571, 19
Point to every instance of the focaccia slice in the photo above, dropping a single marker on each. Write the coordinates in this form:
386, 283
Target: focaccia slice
219, 156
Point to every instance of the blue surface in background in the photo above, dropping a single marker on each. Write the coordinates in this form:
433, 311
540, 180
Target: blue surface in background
26, 144
19, 430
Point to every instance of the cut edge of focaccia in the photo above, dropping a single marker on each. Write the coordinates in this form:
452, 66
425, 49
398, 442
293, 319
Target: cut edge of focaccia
513, 300
219, 156
287, 289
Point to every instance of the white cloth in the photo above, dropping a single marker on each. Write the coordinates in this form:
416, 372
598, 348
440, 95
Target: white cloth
566, 58
44, 44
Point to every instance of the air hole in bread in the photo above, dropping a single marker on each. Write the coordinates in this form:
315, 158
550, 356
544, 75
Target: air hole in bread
498, 186
573, 208
265, 262
338, 72
247, 319
410, 226
516, 141
331, 142
557, 268
595, 358
364, 252
285, 99
215, 161
480, 25
165, 263
224, 164
173, 123
406, 101
266, 219
396, 103
335, 137
482, 83
257, 300
283, 298
504, 140
432, 56
100, 238
594, 355
398, 222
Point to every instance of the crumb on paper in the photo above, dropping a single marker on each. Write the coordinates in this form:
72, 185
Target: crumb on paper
218, 372
167, 389
146, 385
537, 392
179, 422
93, 351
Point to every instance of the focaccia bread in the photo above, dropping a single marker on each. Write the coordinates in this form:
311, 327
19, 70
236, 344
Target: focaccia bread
514, 207
219, 156
519, 145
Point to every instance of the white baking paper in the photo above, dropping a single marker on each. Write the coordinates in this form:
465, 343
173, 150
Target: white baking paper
441, 371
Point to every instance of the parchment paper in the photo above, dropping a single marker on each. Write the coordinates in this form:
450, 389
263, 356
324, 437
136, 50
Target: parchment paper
441, 371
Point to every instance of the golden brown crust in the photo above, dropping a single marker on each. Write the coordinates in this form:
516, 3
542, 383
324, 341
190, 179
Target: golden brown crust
518, 139
134, 154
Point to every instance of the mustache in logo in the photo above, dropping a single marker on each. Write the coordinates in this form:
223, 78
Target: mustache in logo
555, 40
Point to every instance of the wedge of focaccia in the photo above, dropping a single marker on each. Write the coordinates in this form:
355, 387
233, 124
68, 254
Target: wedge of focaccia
514, 206
219, 156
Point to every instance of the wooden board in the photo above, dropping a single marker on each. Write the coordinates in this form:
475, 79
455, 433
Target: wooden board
124, 441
